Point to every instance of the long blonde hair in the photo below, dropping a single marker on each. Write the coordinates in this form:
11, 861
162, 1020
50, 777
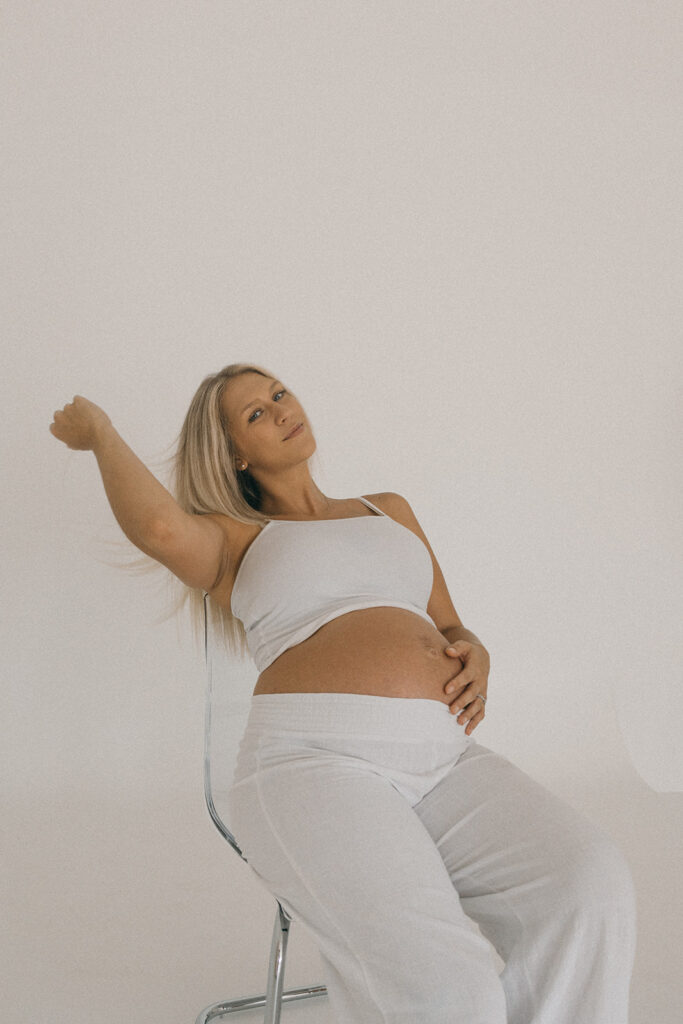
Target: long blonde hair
204, 479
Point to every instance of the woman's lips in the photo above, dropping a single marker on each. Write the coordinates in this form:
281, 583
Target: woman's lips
295, 432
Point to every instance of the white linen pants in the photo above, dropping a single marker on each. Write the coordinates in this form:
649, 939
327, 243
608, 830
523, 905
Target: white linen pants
385, 830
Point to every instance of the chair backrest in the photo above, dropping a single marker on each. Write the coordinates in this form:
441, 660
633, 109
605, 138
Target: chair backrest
230, 681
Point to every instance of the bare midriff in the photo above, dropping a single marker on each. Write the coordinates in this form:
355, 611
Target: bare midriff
390, 652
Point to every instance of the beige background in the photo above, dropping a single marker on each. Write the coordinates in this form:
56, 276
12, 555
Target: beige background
454, 230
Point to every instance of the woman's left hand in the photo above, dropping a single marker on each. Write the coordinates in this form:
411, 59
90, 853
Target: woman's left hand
470, 681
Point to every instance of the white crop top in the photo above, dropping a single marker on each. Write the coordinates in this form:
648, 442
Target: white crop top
296, 575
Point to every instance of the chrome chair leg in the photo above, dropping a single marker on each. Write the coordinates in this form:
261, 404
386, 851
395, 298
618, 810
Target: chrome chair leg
276, 967
274, 997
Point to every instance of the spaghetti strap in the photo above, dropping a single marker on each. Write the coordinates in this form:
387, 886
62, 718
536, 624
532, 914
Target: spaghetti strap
370, 505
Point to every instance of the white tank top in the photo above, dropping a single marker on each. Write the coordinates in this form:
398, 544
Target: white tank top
297, 575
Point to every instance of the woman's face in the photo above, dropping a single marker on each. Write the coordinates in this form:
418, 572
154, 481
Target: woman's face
260, 413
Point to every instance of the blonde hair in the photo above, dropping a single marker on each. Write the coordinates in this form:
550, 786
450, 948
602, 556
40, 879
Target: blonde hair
204, 478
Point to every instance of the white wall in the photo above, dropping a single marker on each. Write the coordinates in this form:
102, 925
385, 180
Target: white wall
454, 230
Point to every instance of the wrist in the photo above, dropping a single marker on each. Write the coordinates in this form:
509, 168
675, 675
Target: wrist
102, 433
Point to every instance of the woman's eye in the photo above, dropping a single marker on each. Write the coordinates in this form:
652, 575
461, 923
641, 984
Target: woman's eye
283, 391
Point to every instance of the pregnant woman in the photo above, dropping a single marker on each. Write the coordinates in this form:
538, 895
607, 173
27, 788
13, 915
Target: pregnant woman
361, 799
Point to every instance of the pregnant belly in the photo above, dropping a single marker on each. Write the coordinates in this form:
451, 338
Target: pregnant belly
390, 652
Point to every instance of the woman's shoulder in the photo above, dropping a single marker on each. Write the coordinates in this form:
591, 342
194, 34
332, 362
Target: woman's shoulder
393, 505
388, 501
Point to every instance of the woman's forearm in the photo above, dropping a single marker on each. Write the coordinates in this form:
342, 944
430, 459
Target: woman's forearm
460, 633
139, 502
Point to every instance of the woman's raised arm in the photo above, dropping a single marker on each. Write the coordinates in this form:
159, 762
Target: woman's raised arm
193, 547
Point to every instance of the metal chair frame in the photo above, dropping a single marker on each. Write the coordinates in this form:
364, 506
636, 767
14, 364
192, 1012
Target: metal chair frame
274, 996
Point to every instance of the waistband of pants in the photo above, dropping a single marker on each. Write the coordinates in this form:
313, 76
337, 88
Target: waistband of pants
356, 713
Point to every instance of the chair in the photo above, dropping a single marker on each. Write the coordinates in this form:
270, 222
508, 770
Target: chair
228, 693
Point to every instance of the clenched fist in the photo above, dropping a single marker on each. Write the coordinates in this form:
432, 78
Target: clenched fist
78, 423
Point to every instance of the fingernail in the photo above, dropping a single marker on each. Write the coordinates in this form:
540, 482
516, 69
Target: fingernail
450, 648
449, 689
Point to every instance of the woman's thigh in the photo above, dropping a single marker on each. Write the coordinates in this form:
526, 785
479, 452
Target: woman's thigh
515, 851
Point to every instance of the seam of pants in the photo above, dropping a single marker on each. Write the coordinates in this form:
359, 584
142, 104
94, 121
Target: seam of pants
296, 868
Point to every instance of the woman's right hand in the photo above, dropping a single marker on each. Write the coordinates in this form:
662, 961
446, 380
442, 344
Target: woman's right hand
78, 423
